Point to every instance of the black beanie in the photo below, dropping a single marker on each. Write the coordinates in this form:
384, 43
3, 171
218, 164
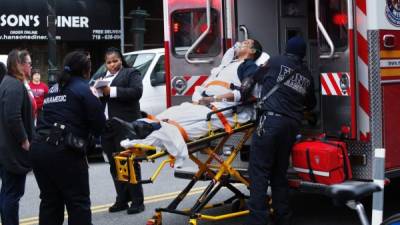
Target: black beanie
296, 46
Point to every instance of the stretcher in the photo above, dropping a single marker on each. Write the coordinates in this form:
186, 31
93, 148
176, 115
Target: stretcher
215, 168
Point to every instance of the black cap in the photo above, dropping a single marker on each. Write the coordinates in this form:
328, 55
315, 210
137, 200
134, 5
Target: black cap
296, 46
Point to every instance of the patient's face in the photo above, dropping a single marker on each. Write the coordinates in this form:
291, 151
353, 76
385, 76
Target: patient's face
246, 48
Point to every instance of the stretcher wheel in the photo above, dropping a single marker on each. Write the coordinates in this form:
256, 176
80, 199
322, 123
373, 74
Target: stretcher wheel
153, 221
150, 222
238, 205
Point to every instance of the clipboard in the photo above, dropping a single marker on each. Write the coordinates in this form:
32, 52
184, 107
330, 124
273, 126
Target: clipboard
101, 83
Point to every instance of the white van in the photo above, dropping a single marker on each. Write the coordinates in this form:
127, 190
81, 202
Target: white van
151, 65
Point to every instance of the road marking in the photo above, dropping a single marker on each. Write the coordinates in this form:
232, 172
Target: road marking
147, 200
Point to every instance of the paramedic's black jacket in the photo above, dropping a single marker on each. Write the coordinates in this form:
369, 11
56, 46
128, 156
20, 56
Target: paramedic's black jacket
75, 106
297, 92
247, 69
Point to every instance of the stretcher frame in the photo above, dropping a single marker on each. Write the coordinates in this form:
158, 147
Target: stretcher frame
220, 175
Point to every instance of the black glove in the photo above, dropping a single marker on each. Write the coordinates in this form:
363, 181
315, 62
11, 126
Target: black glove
142, 129
246, 88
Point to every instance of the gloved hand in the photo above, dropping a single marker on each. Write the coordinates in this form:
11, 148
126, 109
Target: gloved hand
246, 88
142, 129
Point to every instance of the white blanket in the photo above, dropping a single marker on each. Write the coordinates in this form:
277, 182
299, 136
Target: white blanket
192, 118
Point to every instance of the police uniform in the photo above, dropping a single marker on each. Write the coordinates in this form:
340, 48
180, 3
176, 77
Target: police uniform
278, 125
60, 170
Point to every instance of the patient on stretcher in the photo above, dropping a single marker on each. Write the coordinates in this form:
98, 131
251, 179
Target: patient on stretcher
222, 89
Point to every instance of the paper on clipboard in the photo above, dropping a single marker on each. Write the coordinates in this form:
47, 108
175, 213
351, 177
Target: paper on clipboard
101, 83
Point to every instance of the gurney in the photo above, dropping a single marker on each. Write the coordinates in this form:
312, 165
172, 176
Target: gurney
215, 168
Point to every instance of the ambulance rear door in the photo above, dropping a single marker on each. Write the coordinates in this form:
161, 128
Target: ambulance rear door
337, 67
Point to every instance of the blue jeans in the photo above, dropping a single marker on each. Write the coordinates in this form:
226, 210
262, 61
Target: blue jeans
12, 189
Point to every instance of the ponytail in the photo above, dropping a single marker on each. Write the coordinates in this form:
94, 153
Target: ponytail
76, 63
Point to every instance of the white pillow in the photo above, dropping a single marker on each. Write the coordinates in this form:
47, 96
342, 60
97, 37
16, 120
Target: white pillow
262, 59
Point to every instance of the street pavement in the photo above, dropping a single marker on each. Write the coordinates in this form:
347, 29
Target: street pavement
308, 209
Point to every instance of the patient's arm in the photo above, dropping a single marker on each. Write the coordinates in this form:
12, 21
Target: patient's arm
227, 97
197, 94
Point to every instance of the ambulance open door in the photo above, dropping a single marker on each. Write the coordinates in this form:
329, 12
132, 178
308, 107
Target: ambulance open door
334, 20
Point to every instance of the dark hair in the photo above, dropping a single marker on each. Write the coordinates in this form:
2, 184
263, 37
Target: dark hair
3, 70
257, 46
76, 63
14, 61
34, 71
113, 50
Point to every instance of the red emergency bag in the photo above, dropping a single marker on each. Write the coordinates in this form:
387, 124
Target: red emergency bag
321, 161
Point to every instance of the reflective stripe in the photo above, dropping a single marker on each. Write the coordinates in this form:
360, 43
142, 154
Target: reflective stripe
377, 216
316, 172
380, 153
363, 122
381, 183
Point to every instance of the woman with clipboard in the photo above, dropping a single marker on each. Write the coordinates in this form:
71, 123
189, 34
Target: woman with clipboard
120, 89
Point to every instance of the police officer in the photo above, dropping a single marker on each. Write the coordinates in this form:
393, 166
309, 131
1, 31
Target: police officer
71, 113
278, 124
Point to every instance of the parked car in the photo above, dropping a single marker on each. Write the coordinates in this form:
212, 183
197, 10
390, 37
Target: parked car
151, 65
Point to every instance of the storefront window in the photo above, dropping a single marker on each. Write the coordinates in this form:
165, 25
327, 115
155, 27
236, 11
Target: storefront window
335, 19
188, 25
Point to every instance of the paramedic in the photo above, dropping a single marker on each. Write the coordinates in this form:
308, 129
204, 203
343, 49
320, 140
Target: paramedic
71, 113
278, 125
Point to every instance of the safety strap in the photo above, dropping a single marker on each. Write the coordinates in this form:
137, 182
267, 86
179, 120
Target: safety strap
172, 122
219, 83
180, 128
310, 172
223, 120
152, 117
345, 157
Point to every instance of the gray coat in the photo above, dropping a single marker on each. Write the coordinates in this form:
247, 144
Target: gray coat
16, 124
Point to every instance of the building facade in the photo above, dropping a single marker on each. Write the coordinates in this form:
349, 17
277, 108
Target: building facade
89, 25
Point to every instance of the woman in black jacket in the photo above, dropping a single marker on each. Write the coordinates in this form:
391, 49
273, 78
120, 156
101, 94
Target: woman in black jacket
121, 99
16, 128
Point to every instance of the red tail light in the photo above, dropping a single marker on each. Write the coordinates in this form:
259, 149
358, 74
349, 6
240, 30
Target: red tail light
203, 28
340, 19
176, 27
